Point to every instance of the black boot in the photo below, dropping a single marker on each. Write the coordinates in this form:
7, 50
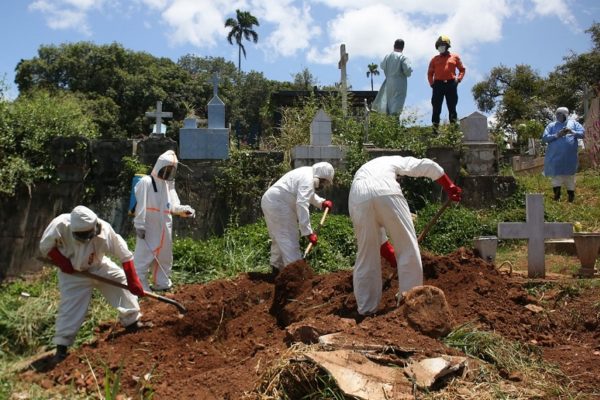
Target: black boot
61, 353
556, 190
571, 194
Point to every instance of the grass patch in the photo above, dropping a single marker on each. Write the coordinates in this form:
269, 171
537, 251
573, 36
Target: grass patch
504, 359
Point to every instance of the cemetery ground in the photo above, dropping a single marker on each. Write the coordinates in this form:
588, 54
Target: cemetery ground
241, 337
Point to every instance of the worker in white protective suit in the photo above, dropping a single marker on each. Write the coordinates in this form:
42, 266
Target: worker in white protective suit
156, 202
375, 202
285, 206
80, 241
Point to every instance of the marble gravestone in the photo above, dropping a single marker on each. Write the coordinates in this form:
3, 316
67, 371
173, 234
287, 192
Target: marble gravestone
210, 143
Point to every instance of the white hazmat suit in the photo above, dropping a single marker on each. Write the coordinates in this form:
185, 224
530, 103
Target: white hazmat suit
156, 201
285, 207
375, 202
76, 290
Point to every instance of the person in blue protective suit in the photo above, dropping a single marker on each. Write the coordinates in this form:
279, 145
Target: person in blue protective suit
560, 162
392, 94
285, 207
157, 201
80, 241
378, 207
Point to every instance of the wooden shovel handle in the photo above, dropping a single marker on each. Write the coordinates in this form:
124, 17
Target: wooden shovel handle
433, 220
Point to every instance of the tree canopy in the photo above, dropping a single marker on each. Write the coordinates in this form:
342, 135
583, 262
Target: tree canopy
520, 95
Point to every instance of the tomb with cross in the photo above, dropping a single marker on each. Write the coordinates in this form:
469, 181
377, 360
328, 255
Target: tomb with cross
159, 114
535, 231
211, 143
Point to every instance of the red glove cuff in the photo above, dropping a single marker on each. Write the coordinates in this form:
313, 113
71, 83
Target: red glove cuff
133, 282
313, 238
61, 261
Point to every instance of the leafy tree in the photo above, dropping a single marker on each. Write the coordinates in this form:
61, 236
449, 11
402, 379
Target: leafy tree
115, 85
567, 84
241, 27
371, 72
304, 80
27, 127
515, 94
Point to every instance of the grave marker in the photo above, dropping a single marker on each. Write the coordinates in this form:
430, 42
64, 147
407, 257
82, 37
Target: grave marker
535, 230
159, 114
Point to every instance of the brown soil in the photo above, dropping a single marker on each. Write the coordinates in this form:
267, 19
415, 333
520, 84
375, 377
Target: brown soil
235, 328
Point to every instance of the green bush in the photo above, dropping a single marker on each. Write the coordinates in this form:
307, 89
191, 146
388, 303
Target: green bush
27, 126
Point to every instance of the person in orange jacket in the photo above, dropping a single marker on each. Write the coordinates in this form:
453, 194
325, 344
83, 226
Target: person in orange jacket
444, 81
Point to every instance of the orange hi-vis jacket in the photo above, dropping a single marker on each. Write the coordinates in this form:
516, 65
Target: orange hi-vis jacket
443, 68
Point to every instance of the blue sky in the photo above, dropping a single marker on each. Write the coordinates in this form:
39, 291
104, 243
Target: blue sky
298, 34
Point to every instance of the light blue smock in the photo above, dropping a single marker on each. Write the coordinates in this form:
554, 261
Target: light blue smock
561, 154
392, 94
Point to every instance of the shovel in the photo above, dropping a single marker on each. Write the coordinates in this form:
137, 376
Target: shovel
310, 245
155, 296
433, 220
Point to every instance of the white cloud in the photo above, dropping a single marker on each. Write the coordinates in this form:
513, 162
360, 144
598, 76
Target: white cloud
294, 28
66, 14
368, 30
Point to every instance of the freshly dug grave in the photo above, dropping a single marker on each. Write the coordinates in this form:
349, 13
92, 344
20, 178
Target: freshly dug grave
235, 329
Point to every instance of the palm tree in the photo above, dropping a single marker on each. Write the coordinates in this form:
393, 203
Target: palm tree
372, 71
241, 27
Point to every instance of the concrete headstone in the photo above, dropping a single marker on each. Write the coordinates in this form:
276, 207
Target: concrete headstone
159, 114
474, 128
535, 230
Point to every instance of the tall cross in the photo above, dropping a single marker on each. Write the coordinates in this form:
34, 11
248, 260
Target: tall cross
159, 115
215, 82
535, 230
344, 86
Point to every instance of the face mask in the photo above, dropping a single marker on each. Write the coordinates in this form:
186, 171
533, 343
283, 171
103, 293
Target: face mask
441, 49
561, 117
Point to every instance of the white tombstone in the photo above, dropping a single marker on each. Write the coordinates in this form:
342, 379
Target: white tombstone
535, 230
159, 114
320, 147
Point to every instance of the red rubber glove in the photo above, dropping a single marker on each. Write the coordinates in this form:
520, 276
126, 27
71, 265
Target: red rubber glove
387, 252
327, 204
61, 261
133, 282
313, 238
453, 191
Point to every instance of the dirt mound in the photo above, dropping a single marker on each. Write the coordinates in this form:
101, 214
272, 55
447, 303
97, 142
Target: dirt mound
235, 328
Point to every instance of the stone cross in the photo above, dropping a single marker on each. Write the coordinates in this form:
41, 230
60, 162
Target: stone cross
344, 86
535, 230
159, 115
215, 82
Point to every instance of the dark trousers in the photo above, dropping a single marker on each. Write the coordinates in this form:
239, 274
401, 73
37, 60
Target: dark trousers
448, 90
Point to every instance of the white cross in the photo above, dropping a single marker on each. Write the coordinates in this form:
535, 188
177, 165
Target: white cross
342, 66
159, 115
535, 230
